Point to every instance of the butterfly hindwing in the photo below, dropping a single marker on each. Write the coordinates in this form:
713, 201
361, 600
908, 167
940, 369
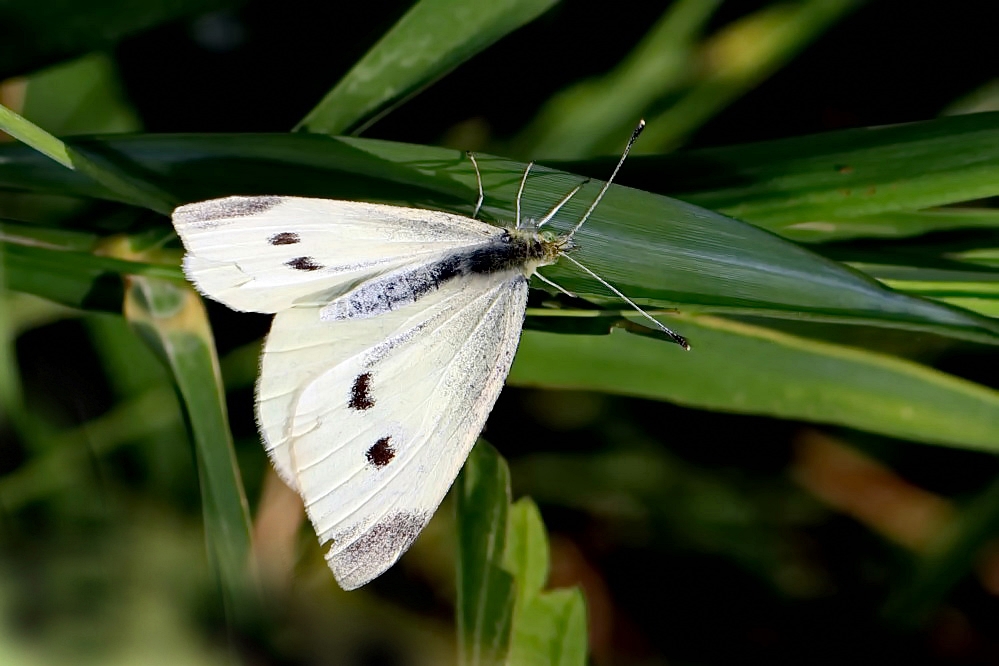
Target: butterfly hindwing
269, 253
370, 419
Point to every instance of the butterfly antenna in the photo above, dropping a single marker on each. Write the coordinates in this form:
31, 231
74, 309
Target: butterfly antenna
478, 181
675, 337
603, 190
543, 221
520, 192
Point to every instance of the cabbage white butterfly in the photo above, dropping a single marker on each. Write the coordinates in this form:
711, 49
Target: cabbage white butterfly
393, 333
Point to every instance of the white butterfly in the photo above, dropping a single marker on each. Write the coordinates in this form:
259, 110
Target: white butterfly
394, 331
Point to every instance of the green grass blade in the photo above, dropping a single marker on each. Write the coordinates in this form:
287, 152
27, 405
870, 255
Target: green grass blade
173, 323
67, 267
835, 175
740, 368
589, 118
738, 59
659, 251
981, 256
69, 455
896, 224
111, 177
433, 37
485, 591
976, 290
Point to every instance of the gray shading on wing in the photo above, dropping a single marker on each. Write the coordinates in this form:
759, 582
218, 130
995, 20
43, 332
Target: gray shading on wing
370, 419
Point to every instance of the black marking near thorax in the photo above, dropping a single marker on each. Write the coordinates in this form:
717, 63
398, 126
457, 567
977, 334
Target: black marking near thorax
509, 251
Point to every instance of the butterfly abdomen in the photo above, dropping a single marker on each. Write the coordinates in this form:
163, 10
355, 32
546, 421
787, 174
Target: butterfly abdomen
511, 251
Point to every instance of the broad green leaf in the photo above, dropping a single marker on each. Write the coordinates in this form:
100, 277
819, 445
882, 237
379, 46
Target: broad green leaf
658, 251
548, 627
173, 322
40, 32
551, 629
741, 368
433, 37
526, 548
485, 590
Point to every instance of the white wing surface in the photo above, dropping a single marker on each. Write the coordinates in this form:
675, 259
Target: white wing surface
266, 254
370, 419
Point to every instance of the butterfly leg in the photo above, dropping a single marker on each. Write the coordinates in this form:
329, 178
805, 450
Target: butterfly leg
478, 182
555, 284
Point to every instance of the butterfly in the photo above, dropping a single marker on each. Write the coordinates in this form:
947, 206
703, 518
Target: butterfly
394, 330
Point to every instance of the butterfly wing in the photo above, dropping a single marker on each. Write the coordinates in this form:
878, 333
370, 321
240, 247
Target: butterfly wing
265, 254
370, 419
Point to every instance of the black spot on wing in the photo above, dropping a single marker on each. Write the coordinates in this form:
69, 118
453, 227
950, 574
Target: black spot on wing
304, 264
360, 393
381, 453
284, 238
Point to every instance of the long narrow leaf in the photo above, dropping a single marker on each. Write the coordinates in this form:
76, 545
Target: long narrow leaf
107, 175
747, 369
851, 173
434, 37
173, 322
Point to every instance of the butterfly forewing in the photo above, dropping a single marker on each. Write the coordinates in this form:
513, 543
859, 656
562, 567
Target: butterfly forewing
266, 254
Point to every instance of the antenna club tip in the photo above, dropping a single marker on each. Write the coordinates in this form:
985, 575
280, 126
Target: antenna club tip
685, 345
641, 123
